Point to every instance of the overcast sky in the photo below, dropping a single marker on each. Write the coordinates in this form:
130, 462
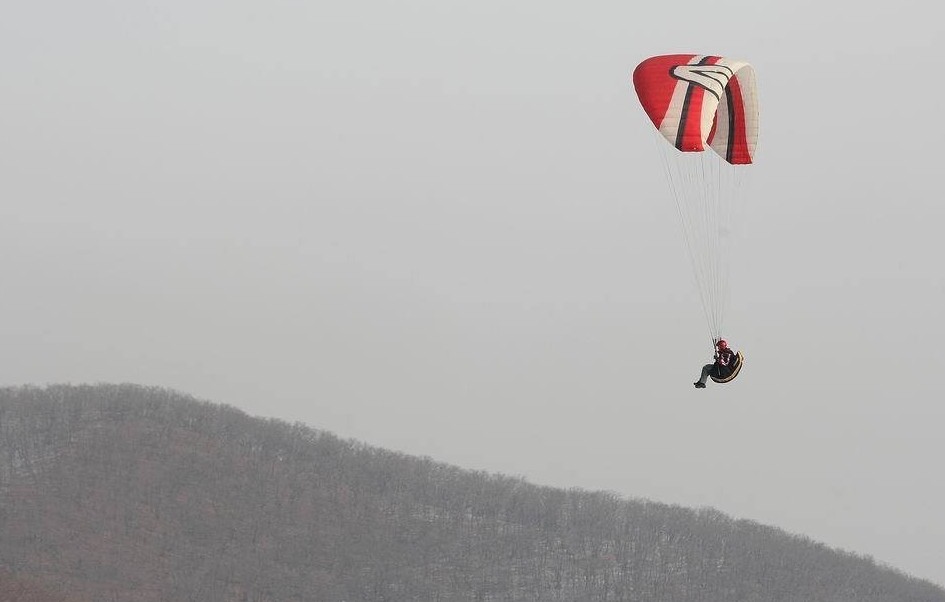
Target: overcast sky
442, 228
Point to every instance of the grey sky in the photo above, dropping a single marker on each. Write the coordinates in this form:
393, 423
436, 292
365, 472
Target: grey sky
441, 227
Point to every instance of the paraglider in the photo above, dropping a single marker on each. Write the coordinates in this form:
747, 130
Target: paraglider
725, 368
697, 103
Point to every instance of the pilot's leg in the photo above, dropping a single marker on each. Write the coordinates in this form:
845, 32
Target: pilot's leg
700, 384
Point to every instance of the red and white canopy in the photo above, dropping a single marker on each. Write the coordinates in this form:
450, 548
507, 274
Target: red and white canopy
697, 101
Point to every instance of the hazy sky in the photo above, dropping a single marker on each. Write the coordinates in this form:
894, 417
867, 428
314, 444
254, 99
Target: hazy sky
441, 228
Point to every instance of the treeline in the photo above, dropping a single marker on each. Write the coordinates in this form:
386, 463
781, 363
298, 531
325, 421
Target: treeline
127, 493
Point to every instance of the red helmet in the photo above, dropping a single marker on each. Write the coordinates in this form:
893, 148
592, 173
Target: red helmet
722, 344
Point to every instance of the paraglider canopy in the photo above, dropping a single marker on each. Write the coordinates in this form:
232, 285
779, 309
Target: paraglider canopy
697, 101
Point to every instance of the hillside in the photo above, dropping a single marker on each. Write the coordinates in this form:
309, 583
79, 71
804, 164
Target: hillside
140, 494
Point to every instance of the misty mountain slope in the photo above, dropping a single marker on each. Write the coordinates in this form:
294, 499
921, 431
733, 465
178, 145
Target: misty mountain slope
130, 493
14, 589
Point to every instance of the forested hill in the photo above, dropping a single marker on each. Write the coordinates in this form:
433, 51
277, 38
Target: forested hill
141, 494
